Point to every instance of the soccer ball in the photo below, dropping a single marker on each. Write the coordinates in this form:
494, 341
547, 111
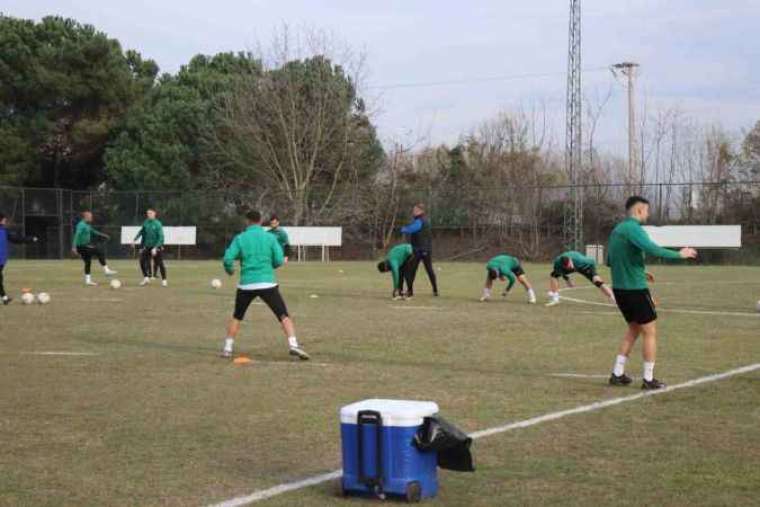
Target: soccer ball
757, 307
115, 284
43, 298
27, 298
216, 283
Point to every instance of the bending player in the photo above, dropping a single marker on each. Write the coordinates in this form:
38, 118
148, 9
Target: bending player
506, 268
574, 262
281, 235
627, 245
151, 236
84, 245
6, 237
398, 262
259, 255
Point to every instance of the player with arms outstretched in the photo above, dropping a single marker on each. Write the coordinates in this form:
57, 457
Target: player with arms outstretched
398, 262
7, 236
259, 254
506, 268
628, 245
574, 262
84, 245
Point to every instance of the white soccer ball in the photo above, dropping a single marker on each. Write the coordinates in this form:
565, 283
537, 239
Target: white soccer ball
758, 307
43, 298
314, 296
115, 284
216, 283
27, 298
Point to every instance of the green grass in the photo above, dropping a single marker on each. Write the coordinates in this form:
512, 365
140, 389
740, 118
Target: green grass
155, 418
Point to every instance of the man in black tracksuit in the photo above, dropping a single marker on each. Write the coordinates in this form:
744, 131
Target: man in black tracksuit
421, 238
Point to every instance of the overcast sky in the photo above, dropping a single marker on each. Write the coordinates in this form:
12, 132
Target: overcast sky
699, 55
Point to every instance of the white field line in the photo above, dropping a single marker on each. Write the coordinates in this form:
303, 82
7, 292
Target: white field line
577, 375
59, 353
264, 494
672, 310
410, 307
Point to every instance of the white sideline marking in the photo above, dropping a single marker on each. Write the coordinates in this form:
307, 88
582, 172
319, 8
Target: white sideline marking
409, 307
591, 407
60, 353
671, 310
577, 375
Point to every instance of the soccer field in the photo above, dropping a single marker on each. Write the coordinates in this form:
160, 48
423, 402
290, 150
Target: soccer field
118, 397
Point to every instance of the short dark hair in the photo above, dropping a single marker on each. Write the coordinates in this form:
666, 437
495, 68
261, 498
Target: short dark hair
634, 200
253, 216
274, 217
2, 216
382, 266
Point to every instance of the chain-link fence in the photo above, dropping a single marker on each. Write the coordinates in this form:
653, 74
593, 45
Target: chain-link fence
468, 223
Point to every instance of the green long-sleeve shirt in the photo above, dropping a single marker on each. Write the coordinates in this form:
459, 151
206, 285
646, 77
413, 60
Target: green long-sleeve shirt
83, 234
282, 239
580, 263
259, 255
396, 258
152, 233
503, 265
628, 245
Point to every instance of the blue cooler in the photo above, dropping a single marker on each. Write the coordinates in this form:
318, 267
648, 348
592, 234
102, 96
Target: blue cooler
379, 456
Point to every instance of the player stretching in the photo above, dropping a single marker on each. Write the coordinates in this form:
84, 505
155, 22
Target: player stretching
281, 235
421, 238
398, 263
505, 267
6, 237
151, 236
259, 255
574, 262
84, 245
627, 245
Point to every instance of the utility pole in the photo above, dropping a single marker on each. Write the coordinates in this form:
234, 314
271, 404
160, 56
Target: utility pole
573, 230
628, 69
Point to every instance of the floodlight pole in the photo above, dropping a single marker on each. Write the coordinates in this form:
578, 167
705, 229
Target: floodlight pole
573, 216
628, 69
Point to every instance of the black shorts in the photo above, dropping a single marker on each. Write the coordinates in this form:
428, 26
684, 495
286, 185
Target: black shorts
636, 306
589, 273
493, 274
271, 297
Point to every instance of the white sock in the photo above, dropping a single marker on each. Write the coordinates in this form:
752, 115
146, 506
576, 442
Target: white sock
648, 371
292, 341
5, 298
486, 293
228, 343
531, 294
87, 278
619, 367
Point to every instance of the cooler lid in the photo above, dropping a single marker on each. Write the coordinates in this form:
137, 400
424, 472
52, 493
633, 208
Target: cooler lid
394, 412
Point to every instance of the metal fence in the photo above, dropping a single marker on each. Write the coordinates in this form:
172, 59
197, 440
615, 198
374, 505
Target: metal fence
468, 223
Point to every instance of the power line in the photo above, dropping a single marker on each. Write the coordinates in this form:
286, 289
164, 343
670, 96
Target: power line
475, 80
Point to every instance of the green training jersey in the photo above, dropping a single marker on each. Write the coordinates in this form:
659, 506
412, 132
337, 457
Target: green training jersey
396, 258
282, 238
503, 265
152, 233
259, 255
83, 234
628, 245
580, 263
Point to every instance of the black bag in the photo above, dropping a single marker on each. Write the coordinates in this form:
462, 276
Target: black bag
451, 443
